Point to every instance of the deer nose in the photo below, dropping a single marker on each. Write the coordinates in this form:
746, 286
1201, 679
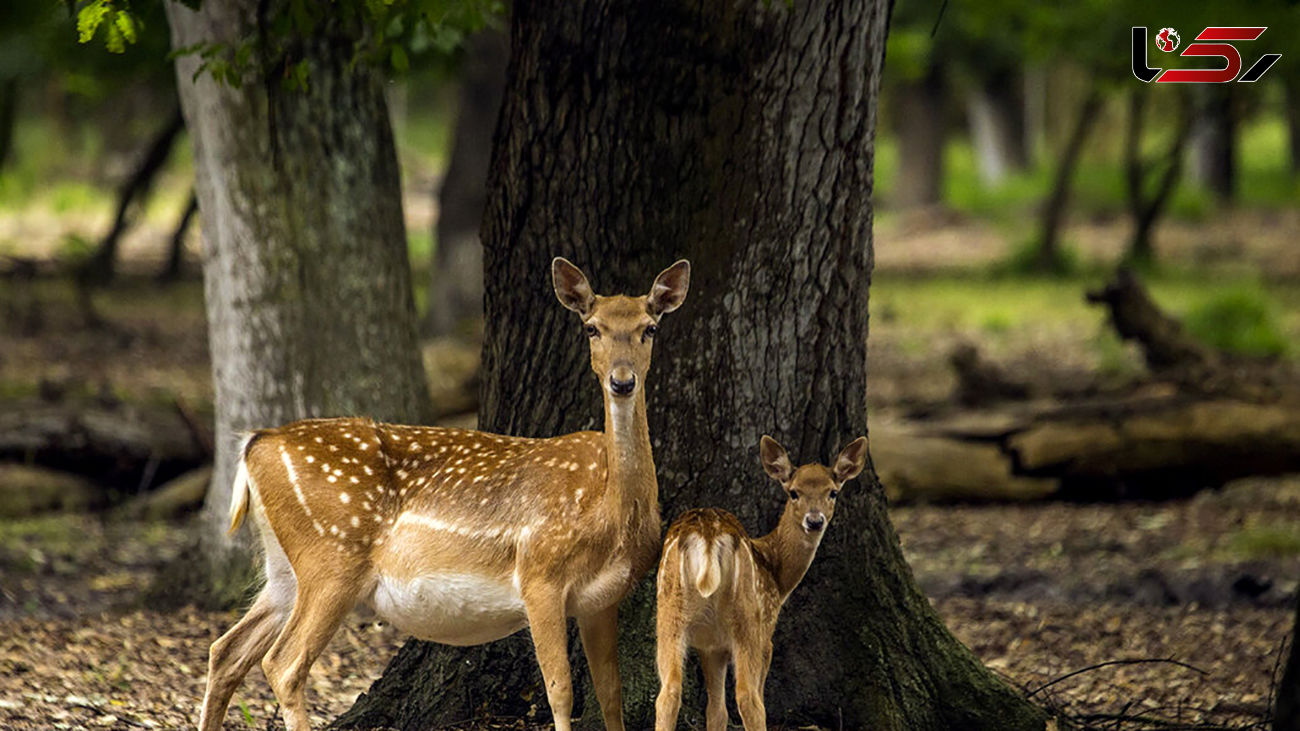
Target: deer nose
622, 386
814, 522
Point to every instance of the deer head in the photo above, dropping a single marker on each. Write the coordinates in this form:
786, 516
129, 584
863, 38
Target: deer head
621, 329
812, 489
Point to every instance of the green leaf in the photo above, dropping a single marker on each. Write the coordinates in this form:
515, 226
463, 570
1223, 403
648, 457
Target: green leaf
89, 19
126, 24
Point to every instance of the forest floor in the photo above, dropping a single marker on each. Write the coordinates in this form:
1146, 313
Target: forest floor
1036, 590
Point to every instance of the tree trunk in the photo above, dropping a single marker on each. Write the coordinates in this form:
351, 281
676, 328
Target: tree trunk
8, 117
456, 290
1146, 210
102, 267
171, 271
1049, 256
919, 124
741, 137
1293, 121
1286, 711
995, 108
1214, 141
307, 283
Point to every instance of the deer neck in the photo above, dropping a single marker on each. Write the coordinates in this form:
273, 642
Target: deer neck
631, 483
789, 550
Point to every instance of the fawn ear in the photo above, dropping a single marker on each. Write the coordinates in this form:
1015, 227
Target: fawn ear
669, 290
775, 460
851, 460
571, 286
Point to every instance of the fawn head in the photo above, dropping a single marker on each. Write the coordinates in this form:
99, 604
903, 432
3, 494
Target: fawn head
811, 490
621, 328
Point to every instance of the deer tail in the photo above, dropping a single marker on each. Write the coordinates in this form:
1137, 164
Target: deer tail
704, 559
240, 490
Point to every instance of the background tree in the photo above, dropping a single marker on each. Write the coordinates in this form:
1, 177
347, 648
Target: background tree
742, 138
308, 286
456, 286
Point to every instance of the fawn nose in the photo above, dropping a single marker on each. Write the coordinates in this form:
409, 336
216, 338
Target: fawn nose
814, 522
622, 386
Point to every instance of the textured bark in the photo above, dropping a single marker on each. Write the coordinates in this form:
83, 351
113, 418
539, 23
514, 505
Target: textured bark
1293, 121
1049, 255
741, 137
307, 283
456, 290
919, 124
995, 108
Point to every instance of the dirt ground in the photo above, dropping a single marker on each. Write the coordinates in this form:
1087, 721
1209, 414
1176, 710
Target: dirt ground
1037, 591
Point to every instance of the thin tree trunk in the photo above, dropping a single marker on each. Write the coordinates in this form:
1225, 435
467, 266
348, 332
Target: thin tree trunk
102, 267
995, 108
919, 124
1214, 141
171, 271
307, 283
741, 137
8, 117
456, 289
1146, 210
1049, 256
1293, 121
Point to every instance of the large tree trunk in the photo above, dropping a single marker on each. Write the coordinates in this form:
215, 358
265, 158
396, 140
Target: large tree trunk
1146, 210
1292, 108
456, 289
1286, 712
995, 109
307, 283
8, 117
741, 137
919, 123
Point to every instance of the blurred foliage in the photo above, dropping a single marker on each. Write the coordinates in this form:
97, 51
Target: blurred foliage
1241, 320
384, 33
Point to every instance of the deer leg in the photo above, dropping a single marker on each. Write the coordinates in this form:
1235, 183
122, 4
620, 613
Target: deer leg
714, 663
235, 653
318, 611
749, 687
670, 654
547, 622
599, 634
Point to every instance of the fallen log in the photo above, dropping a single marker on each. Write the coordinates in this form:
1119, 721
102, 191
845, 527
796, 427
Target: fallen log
1206, 419
129, 449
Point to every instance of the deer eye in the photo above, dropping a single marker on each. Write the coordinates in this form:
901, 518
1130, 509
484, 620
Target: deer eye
649, 332
794, 494
592, 331
835, 494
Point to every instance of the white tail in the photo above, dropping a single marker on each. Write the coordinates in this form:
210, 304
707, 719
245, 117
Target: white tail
457, 536
720, 591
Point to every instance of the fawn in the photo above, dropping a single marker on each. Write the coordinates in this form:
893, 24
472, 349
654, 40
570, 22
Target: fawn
720, 591
457, 536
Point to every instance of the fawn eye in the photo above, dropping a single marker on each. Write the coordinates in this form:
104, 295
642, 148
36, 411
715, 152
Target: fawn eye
835, 494
649, 332
592, 331
794, 494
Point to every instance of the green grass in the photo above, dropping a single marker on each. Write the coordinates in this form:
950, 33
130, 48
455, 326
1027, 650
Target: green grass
1269, 541
1099, 188
1240, 320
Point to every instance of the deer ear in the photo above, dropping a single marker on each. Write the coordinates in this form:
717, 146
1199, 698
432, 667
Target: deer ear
571, 286
775, 460
851, 460
669, 290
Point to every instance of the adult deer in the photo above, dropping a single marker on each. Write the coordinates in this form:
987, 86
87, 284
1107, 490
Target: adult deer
457, 536
720, 591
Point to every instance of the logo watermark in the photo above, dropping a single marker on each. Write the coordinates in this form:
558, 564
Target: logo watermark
1167, 40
